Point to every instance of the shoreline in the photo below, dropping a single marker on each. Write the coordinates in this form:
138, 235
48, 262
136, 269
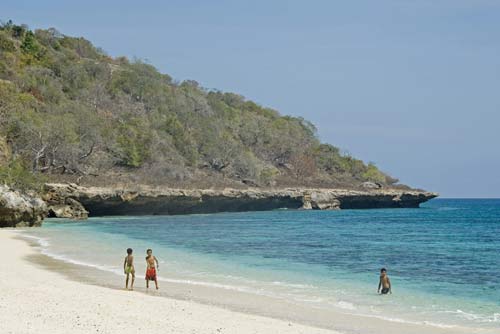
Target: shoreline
36, 300
280, 311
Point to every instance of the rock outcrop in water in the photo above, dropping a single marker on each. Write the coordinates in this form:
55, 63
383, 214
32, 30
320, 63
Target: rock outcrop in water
20, 210
152, 201
67, 208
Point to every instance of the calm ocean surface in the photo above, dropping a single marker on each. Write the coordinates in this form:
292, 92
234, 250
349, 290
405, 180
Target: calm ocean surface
443, 259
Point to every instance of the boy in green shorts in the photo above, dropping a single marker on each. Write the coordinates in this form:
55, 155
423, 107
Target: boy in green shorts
128, 268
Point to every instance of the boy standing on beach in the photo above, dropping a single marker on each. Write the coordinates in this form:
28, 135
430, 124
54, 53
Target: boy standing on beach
128, 268
151, 269
384, 282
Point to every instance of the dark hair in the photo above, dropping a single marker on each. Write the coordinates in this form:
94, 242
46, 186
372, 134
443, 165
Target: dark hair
129, 251
149, 250
383, 270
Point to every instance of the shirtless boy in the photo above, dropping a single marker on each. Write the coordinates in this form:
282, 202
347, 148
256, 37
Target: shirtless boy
384, 282
128, 268
151, 269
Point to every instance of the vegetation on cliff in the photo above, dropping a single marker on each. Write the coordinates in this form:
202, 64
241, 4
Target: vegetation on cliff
70, 112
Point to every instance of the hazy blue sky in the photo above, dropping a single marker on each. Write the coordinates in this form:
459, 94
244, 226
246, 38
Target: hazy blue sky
410, 85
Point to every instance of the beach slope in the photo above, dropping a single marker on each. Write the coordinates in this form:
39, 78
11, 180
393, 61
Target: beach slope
34, 300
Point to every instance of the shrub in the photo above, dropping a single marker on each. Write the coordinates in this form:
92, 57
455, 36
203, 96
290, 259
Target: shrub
18, 175
372, 173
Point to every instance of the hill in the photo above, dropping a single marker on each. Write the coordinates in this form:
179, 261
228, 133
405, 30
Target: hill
71, 113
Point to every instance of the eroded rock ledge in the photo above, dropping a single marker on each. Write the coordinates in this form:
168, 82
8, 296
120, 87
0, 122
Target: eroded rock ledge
71, 200
20, 210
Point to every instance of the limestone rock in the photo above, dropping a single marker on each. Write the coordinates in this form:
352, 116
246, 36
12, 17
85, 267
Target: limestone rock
144, 200
20, 210
371, 185
71, 209
62, 205
324, 201
306, 201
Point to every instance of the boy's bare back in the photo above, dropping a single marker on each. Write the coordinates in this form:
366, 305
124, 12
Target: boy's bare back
128, 268
130, 260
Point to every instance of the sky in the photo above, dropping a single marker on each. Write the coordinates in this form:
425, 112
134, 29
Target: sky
412, 86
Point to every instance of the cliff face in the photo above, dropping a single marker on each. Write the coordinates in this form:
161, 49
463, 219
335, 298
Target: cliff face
20, 210
151, 201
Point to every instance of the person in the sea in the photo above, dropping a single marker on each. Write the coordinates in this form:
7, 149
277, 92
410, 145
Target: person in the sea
128, 268
151, 260
384, 283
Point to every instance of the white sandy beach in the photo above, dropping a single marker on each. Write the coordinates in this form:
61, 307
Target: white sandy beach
34, 300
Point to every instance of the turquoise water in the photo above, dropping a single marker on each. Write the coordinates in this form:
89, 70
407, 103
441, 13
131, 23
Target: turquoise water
443, 259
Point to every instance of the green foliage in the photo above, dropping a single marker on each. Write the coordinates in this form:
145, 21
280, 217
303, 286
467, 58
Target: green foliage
6, 44
82, 47
139, 80
133, 143
373, 174
68, 109
268, 175
183, 142
42, 83
18, 175
329, 159
30, 44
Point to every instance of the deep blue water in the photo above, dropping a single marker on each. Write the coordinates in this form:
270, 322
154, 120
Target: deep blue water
443, 259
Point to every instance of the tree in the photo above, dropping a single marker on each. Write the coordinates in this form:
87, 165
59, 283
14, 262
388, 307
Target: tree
304, 165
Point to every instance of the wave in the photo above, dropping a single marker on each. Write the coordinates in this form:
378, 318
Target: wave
448, 208
411, 322
42, 242
292, 285
494, 318
346, 305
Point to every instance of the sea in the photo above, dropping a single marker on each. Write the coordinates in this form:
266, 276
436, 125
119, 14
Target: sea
443, 259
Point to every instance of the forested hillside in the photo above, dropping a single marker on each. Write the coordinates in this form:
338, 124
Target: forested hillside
70, 112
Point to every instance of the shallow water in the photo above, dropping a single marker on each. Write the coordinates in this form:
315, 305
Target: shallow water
443, 259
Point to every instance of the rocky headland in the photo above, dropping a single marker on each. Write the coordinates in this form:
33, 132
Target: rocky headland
68, 200
73, 201
179, 147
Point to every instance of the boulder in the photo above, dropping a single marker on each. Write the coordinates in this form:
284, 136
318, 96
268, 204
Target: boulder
70, 209
371, 185
20, 210
306, 201
324, 201
61, 205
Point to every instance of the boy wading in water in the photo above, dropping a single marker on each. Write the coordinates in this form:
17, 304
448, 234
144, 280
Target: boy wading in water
128, 268
151, 269
384, 282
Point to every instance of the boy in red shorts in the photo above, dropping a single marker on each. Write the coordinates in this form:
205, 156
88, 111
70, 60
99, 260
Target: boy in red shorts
151, 269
